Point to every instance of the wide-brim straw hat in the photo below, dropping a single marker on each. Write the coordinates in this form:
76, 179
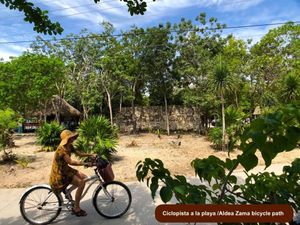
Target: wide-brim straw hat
66, 135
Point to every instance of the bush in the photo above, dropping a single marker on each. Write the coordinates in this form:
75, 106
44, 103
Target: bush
8, 122
49, 135
233, 116
97, 135
215, 136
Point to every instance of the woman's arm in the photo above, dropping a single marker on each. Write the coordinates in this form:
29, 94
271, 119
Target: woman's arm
83, 154
71, 162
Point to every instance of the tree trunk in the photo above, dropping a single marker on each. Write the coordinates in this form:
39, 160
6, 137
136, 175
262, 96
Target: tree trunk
121, 99
56, 111
109, 106
133, 109
45, 112
85, 113
167, 113
223, 122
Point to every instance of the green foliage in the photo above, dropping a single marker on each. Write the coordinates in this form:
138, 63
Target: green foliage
97, 135
29, 81
233, 116
270, 134
234, 122
48, 135
23, 161
176, 186
8, 122
35, 15
158, 133
290, 89
134, 7
215, 136
221, 73
279, 129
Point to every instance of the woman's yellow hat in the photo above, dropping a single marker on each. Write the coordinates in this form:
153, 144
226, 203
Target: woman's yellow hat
66, 135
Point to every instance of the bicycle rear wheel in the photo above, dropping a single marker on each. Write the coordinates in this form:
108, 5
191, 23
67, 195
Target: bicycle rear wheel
40, 205
113, 200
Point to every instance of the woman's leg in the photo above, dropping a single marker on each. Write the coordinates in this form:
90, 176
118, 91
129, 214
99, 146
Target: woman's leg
80, 183
81, 175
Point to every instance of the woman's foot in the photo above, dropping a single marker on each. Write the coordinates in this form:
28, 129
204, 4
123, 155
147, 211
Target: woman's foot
79, 212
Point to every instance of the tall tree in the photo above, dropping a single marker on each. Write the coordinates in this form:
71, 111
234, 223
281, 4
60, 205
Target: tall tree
79, 55
235, 54
274, 56
221, 82
158, 56
110, 65
196, 46
29, 82
133, 49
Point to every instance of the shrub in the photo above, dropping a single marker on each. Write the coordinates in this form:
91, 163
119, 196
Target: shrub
97, 135
215, 136
8, 122
49, 135
233, 116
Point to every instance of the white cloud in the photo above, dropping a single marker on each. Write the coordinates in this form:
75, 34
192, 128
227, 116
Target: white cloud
237, 5
5, 55
7, 50
249, 33
82, 10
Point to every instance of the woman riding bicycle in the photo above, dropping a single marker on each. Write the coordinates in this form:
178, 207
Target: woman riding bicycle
62, 174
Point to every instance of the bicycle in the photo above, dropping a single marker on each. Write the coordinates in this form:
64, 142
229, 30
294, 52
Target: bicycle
39, 205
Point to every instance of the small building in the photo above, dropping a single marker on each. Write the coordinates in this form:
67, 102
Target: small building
57, 109
257, 112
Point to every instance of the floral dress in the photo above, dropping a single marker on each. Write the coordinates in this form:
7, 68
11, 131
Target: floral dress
61, 173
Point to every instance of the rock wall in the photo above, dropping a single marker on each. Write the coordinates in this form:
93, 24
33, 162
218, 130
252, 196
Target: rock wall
153, 118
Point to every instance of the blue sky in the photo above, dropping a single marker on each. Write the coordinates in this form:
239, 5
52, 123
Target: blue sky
75, 15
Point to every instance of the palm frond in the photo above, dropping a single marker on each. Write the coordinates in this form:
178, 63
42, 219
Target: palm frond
97, 135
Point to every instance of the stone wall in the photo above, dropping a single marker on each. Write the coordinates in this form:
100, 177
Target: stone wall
153, 118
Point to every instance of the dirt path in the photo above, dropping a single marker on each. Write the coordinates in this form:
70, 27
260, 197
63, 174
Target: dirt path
176, 153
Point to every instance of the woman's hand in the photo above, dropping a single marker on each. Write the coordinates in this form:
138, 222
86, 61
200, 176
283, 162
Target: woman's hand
88, 164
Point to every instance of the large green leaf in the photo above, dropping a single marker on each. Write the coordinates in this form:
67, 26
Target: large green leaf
166, 194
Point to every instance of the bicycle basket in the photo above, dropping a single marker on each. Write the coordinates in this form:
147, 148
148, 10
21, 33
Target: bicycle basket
107, 173
105, 170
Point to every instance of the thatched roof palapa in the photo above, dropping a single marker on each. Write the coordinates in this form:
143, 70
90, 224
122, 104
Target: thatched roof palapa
58, 104
257, 111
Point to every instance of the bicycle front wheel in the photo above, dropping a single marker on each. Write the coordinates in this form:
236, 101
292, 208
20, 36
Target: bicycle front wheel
112, 200
40, 205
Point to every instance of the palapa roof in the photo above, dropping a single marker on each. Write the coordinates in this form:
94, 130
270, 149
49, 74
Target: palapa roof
257, 111
58, 104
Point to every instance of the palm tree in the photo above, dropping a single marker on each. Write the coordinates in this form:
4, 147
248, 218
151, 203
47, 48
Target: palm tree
291, 88
221, 82
97, 135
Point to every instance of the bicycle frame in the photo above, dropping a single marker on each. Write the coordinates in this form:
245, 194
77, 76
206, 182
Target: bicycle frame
92, 178
69, 190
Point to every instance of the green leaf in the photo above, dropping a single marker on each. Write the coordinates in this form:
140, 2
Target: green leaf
248, 161
166, 194
268, 153
181, 178
153, 186
232, 179
181, 189
216, 187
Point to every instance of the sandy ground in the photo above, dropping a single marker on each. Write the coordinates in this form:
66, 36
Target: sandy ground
176, 158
